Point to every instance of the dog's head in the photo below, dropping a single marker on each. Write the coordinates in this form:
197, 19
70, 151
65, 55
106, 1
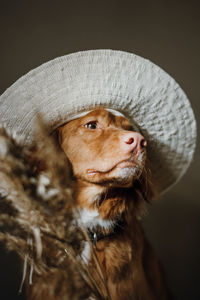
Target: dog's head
103, 149
109, 162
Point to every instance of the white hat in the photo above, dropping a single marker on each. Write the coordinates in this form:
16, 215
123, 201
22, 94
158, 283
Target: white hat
63, 88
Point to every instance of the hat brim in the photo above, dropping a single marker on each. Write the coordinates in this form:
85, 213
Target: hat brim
134, 86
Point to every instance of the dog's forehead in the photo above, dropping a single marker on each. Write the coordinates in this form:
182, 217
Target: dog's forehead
103, 114
108, 114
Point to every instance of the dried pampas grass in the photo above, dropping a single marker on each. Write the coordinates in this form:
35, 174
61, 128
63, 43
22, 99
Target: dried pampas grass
37, 221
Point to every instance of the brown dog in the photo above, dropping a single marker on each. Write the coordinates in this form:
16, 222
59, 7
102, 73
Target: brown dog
109, 163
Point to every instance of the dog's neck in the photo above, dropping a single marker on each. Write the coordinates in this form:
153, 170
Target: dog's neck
104, 208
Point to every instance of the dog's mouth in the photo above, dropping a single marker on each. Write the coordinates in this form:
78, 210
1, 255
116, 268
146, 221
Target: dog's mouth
122, 164
126, 163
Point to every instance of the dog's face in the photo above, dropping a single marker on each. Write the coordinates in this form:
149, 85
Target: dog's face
103, 149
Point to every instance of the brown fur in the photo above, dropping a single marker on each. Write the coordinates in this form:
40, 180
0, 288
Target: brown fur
126, 258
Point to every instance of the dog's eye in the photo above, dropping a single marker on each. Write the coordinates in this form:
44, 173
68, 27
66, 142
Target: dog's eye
91, 125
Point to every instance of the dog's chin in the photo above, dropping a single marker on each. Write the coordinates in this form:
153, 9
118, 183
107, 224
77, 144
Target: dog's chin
125, 176
118, 177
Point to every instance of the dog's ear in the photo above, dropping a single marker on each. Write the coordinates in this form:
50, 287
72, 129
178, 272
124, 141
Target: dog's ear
147, 187
58, 138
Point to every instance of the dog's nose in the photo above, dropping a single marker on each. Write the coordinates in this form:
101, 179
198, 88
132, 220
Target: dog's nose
134, 140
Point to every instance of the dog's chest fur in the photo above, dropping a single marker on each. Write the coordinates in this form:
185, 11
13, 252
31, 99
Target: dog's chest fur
121, 259
128, 263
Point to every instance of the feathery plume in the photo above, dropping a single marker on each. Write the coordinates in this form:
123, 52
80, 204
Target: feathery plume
37, 220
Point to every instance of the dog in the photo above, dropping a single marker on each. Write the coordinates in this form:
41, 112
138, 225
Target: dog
113, 183
109, 163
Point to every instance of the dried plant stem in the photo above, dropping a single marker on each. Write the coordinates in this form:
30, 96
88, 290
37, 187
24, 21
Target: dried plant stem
86, 275
24, 273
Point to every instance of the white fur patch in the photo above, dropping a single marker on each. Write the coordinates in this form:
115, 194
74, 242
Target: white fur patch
90, 219
128, 172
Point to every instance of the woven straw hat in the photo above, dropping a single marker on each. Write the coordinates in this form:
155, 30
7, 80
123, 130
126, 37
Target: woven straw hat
63, 88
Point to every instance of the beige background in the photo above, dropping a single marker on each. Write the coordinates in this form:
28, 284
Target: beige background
166, 32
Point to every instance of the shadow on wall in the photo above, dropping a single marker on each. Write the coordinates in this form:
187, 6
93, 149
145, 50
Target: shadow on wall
171, 226
10, 275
